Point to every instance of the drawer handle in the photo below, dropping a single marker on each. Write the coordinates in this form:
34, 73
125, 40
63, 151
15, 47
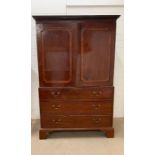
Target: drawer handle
52, 93
97, 120
97, 93
94, 92
55, 93
58, 93
56, 106
96, 106
57, 121
100, 92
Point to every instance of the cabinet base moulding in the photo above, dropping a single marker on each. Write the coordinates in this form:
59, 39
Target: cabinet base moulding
44, 133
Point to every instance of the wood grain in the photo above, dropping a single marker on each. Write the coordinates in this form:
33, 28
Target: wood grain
76, 66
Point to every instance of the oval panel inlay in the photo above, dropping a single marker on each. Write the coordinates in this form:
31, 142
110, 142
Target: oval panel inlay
95, 54
57, 55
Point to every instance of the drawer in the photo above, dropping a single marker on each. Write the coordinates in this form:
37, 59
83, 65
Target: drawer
76, 107
73, 121
76, 93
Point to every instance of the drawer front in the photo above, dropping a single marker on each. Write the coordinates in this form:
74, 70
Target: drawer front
76, 93
73, 121
76, 107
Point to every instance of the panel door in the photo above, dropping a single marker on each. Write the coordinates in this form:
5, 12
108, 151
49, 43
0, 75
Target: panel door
56, 44
97, 40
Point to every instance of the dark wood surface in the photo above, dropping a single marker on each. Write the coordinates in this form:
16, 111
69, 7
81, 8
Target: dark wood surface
76, 121
76, 66
76, 53
76, 93
76, 107
74, 17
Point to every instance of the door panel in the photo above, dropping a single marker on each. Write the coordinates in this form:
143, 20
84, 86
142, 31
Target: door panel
76, 53
96, 53
56, 54
57, 66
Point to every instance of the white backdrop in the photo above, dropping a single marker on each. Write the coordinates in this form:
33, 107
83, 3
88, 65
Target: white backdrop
70, 7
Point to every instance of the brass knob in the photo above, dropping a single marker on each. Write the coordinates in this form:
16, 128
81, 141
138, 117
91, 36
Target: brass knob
58, 93
53, 105
94, 92
58, 106
100, 92
59, 120
53, 93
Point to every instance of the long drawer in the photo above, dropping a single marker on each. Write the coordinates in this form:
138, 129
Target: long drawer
76, 93
73, 121
76, 107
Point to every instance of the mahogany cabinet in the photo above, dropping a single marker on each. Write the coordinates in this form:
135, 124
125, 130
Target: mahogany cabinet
76, 65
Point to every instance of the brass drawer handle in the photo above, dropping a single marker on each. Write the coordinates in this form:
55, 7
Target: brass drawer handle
94, 92
100, 92
52, 93
97, 93
57, 121
56, 107
55, 93
96, 106
97, 120
58, 93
